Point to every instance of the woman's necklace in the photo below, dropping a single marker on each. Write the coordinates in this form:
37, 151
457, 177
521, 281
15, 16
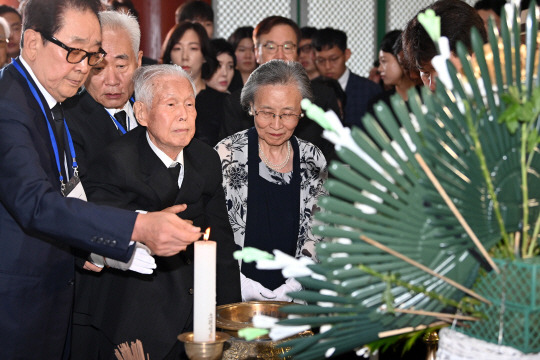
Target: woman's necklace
276, 166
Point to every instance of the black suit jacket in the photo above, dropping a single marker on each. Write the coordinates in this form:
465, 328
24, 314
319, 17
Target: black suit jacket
38, 227
359, 92
156, 308
91, 127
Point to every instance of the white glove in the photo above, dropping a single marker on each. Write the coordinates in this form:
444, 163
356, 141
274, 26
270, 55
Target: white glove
141, 261
290, 285
253, 290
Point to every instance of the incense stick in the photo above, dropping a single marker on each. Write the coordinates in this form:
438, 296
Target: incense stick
424, 268
437, 314
404, 330
456, 212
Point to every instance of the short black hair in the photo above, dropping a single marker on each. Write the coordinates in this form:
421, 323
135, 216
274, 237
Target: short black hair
195, 10
495, 5
239, 34
6, 9
206, 49
327, 38
307, 32
457, 20
389, 39
221, 46
47, 16
267, 24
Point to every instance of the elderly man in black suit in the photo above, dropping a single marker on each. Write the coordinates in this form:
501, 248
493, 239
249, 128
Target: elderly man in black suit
40, 220
103, 111
152, 167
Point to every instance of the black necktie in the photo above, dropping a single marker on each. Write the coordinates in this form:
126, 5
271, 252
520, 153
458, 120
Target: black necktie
175, 171
121, 117
58, 122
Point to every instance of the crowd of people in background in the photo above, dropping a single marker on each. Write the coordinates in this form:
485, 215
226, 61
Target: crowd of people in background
212, 131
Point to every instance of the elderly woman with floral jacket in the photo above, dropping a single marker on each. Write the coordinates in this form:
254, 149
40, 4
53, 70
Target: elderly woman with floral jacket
272, 179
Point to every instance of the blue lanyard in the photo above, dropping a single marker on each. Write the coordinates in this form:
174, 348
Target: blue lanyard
51, 133
118, 125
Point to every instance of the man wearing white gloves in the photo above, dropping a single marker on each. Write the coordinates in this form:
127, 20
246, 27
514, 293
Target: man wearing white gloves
157, 165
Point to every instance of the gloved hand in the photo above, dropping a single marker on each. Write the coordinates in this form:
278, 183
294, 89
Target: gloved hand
290, 285
253, 290
141, 261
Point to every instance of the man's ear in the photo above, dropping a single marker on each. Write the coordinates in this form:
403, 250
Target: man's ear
32, 42
139, 109
139, 58
347, 54
257, 51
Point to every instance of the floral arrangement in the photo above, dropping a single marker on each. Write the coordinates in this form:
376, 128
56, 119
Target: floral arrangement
422, 201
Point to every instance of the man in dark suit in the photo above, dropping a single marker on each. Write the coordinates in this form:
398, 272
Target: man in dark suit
38, 224
103, 111
277, 37
331, 54
155, 166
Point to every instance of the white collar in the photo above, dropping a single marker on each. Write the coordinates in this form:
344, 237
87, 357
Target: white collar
127, 108
48, 97
165, 159
343, 79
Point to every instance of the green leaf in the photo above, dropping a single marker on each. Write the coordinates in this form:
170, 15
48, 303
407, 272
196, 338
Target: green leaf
533, 140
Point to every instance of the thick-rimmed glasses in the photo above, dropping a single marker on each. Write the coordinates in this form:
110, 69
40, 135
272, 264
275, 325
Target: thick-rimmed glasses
269, 116
75, 56
271, 47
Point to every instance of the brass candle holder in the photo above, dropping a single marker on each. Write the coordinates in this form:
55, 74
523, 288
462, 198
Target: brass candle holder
207, 350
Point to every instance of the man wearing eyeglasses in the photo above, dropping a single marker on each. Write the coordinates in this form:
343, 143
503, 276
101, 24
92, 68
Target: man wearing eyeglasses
40, 218
277, 37
331, 54
306, 53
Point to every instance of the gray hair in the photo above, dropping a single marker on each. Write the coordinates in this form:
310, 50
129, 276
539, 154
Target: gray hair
145, 76
276, 72
5, 25
116, 20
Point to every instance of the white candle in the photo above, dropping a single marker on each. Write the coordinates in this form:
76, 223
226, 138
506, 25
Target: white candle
204, 302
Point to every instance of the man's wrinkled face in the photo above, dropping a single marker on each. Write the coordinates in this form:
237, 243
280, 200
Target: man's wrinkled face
170, 120
110, 82
60, 78
279, 43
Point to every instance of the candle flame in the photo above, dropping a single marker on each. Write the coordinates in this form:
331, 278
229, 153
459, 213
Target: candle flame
206, 234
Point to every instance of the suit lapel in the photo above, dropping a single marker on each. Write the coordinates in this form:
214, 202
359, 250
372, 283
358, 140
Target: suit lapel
155, 174
191, 188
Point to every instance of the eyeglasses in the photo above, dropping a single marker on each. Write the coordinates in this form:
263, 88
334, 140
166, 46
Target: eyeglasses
331, 60
3, 43
269, 116
305, 48
75, 56
271, 47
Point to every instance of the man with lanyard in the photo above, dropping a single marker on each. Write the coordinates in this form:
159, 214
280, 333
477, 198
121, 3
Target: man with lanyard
103, 111
39, 222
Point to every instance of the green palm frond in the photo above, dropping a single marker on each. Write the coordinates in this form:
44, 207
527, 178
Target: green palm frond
381, 192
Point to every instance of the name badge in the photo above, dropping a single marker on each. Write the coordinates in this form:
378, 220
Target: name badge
74, 189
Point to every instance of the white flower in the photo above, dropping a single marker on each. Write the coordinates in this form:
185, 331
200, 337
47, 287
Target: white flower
439, 63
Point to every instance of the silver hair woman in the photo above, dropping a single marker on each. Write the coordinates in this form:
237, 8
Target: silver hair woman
272, 180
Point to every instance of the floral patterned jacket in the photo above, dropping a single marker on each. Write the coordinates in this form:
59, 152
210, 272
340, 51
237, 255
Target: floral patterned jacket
233, 152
